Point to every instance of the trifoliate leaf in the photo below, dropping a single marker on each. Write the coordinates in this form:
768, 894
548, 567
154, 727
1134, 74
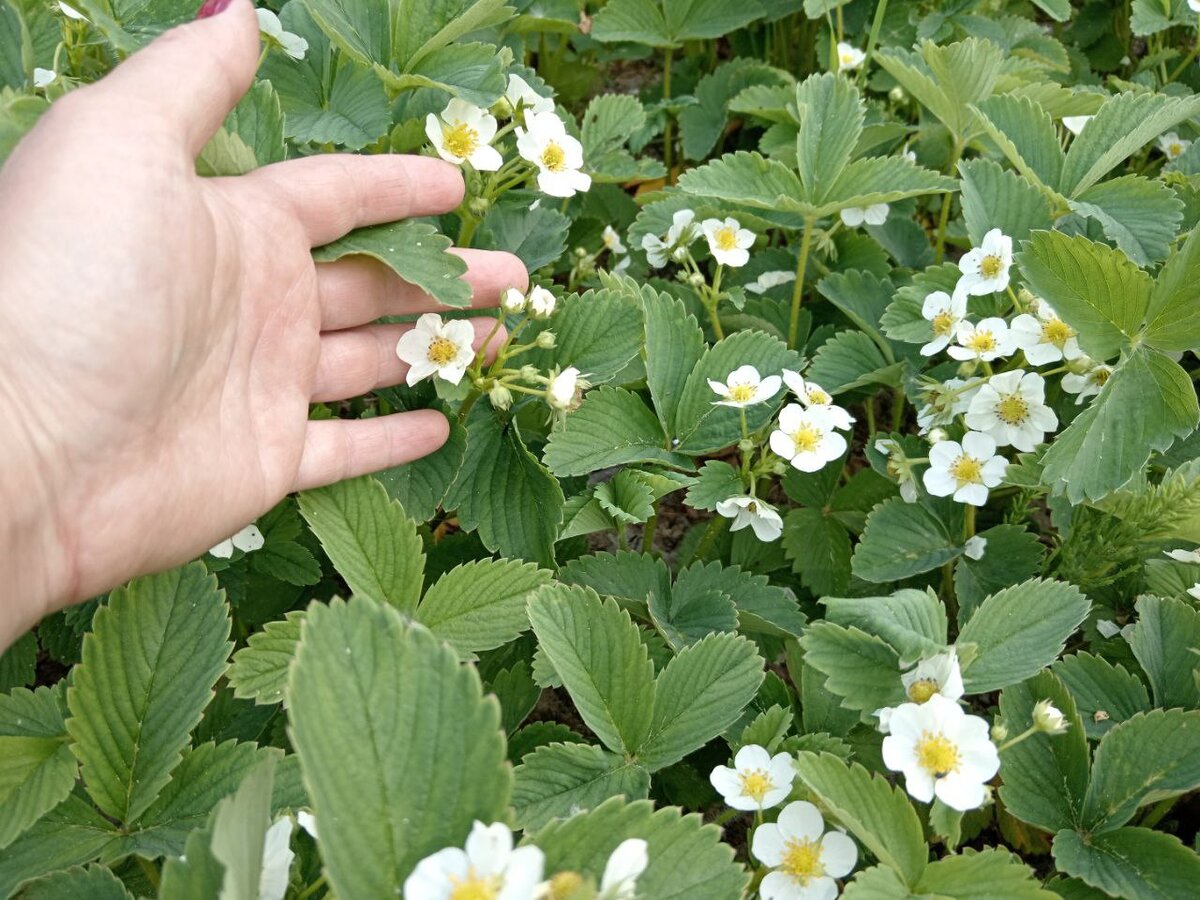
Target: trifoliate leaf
701, 125
535, 236
750, 180
1025, 133
831, 114
819, 549
862, 669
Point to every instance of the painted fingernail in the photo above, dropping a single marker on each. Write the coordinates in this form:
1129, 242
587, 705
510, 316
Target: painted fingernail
212, 7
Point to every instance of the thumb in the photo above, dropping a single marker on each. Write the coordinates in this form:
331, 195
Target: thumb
190, 77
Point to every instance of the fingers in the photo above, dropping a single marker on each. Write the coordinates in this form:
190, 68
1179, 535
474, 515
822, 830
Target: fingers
356, 290
361, 359
190, 77
336, 449
333, 194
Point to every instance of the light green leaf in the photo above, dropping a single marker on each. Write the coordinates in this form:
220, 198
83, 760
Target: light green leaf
239, 827
535, 236
881, 179
902, 320
690, 20
901, 540
1130, 862
1025, 134
1174, 313
1011, 555
877, 883
717, 481
674, 344
850, 359
558, 780
831, 115
599, 332
481, 604
196, 874
747, 179
37, 768
876, 813
1152, 16
369, 539
947, 79
1164, 641
701, 125
631, 20
363, 687
982, 874
596, 651
260, 669
1106, 693
699, 694
149, 665
762, 607
993, 197
611, 427
1139, 215
92, 883
912, 621
862, 669
414, 250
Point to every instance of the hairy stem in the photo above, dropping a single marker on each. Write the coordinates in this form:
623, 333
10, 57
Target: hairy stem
798, 290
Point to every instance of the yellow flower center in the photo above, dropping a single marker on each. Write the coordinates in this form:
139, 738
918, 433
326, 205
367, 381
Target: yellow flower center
755, 784
921, 690
982, 342
991, 266
1056, 332
966, 470
806, 439
460, 139
846, 59
818, 397
564, 884
725, 238
752, 507
936, 755
1175, 149
1101, 376
742, 393
442, 351
475, 887
944, 322
1012, 409
802, 860
554, 158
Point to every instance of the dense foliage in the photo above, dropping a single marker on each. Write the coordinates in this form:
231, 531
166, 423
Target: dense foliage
826, 523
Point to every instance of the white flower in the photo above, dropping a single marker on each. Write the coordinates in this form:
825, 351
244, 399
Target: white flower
804, 858
750, 512
812, 395
682, 232
558, 156
943, 402
520, 94
276, 860
1194, 5
988, 340
885, 719
1172, 145
612, 240
308, 822
1011, 408
849, 56
1074, 124
939, 674
908, 154
942, 752
768, 280
744, 387
291, 44
975, 547
542, 302
854, 216
562, 389
1193, 591
43, 77
944, 313
1088, 384
1184, 556
757, 779
1049, 718
512, 301
621, 872
967, 470
71, 12
463, 133
728, 241
1110, 629
437, 348
247, 540
1045, 338
488, 867
807, 438
985, 268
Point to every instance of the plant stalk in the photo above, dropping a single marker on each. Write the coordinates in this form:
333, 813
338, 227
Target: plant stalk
798, 290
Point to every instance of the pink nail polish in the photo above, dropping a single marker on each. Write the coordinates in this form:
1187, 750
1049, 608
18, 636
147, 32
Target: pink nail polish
211, 8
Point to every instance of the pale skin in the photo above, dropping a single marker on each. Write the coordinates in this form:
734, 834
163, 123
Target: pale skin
162, 335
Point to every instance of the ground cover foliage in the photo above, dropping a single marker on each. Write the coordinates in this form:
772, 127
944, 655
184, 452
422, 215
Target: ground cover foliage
826, 524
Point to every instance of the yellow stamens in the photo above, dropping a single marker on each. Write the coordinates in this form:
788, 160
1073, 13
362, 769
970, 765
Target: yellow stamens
1101, 376
460, 139
475, 887
806, 439
921, 690
966, 470
944, 322
936, 755
1175, 149
564, 884
725, 238
983, 342
755, 784
554, 159
1057, 332
442, 351
1012, 409
802, 860
818, 397
742, 393
991, 266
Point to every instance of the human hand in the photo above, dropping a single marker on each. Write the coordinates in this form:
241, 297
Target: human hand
164, 334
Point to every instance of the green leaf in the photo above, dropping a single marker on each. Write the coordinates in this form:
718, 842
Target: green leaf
850, 359
1147, 403
37, 768
1139, 215
1129, 862
93, 883
767, 729
1010, 556
947, 79
252, 135
558, 780
876, 883
1096, 289
702, 124
149, 665
831, 115
481, 604
505, 493
674, 344
1045, 776
612, 427
691, 611
369, 539
260, 669
517, 692
1106, 693
239, 826
196, 874
1151, 757
881, 179
687, 858
629, 576
1025, 134
862, 669
912, 621
631, 20
690, 20
876, 813
992, 872
747, 179
819, 549
1163, 640
1019, 631
422, 484
717, 481
901, 540
699, 694
596, 651
1152, 16
535, 236
414, 250
70, 834
609, 121
762, 607
15, 44
18, 663
1173, 321
599, 332
993, 197
902, 321
363, 686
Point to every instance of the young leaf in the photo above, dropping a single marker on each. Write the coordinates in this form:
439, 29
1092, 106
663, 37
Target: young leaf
1129, 862
369, 539
717, 481
259, 670
559, 780
149, 665
363, 687
1164, 641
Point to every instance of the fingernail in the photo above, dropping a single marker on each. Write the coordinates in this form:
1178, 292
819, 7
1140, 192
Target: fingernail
212, 7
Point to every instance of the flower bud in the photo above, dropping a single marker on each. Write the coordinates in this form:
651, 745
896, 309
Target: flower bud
745, 445
542, 303
530, 373
779, 468
696, 280
478, 206
937, 435
1048, 718
563, 390
500, 397
897, 94
502, 108
545, 340
512, 301
564, 886
999, 732
967, 369
580, 253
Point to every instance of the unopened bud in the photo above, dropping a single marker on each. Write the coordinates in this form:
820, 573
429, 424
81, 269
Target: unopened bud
937, 435
545, 340
1049, 718
966, 369
696, 280
564, 885
512, 301
502, 108
580, 253
745, 445
478, 206
500, 396
897, 94
542, 303
999, 732
530, 373
779, 468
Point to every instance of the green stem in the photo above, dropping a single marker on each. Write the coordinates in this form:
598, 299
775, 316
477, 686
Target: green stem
468, 403
947, 202
869, 408
469, 224
969, 522
648, 531
1156, 812
150, 870
798, 290
873, 37
897, 408
669, 126
312, 888
1028, 732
